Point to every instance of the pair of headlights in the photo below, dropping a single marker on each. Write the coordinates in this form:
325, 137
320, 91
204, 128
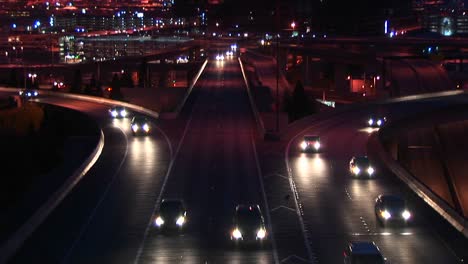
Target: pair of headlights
179, 222
122, 113
145, 127
387, 215
377, 122
316, 145
356, 170
261, 234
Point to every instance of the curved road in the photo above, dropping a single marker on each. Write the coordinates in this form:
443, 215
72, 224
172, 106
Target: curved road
107, 217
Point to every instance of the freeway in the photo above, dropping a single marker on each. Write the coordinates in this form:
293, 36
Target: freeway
103, 217
212, 164
337, 209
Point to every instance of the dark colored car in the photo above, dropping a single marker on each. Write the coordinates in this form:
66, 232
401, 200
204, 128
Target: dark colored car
391, 208
360, 166
140, 125
376, 121
249, 224
310, 143
118, 112
363, 252
171, 214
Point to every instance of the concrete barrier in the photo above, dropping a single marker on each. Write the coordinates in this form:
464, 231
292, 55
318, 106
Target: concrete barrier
253, 105
440, 206
179, 108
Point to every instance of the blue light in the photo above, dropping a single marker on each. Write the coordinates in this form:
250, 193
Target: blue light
386, 27
13, 26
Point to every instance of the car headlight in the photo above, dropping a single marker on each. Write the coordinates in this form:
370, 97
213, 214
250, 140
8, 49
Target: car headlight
21, 92
370, 170
114, 113
135, 128
356, 170
236, 233
35, 93
379, 122
123, 113
180, 221
370, 122
261, 233
159, 221
406, 215
385, 214
317, 145
146, 127
303, 145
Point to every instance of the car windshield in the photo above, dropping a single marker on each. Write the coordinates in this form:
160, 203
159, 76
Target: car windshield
171, 208
362, 162
367, 259
394, 203
139, 119
311, 138
249, 218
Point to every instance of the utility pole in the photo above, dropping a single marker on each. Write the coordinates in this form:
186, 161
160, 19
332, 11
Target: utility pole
277, 63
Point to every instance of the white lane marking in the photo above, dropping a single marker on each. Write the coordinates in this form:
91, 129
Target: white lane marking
101, 199
171, 164
294, 258
267, 210
276, 174
282, 206
299, 211
347, 194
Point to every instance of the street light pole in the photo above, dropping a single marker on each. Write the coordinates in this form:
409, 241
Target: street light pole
277, 63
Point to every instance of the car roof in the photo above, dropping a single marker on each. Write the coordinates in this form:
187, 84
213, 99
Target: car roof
364, 247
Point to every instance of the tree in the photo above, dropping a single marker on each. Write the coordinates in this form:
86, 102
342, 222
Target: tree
76, 85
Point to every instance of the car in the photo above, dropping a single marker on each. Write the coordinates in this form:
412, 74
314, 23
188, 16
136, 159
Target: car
248, 224
360, 166
171, 215
310, 143
140, 125
391, 208
118, 112
363, 252
29, 93
376, 121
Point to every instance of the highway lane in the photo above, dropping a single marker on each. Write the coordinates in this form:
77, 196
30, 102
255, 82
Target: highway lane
214, 170
338, 209
103, 218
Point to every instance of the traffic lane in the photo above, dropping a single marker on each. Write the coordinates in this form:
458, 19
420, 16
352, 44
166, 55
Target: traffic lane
320, 178
113, 178
214, 170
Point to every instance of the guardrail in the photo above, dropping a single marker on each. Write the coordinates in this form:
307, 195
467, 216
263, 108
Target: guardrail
258, 118
441, 207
